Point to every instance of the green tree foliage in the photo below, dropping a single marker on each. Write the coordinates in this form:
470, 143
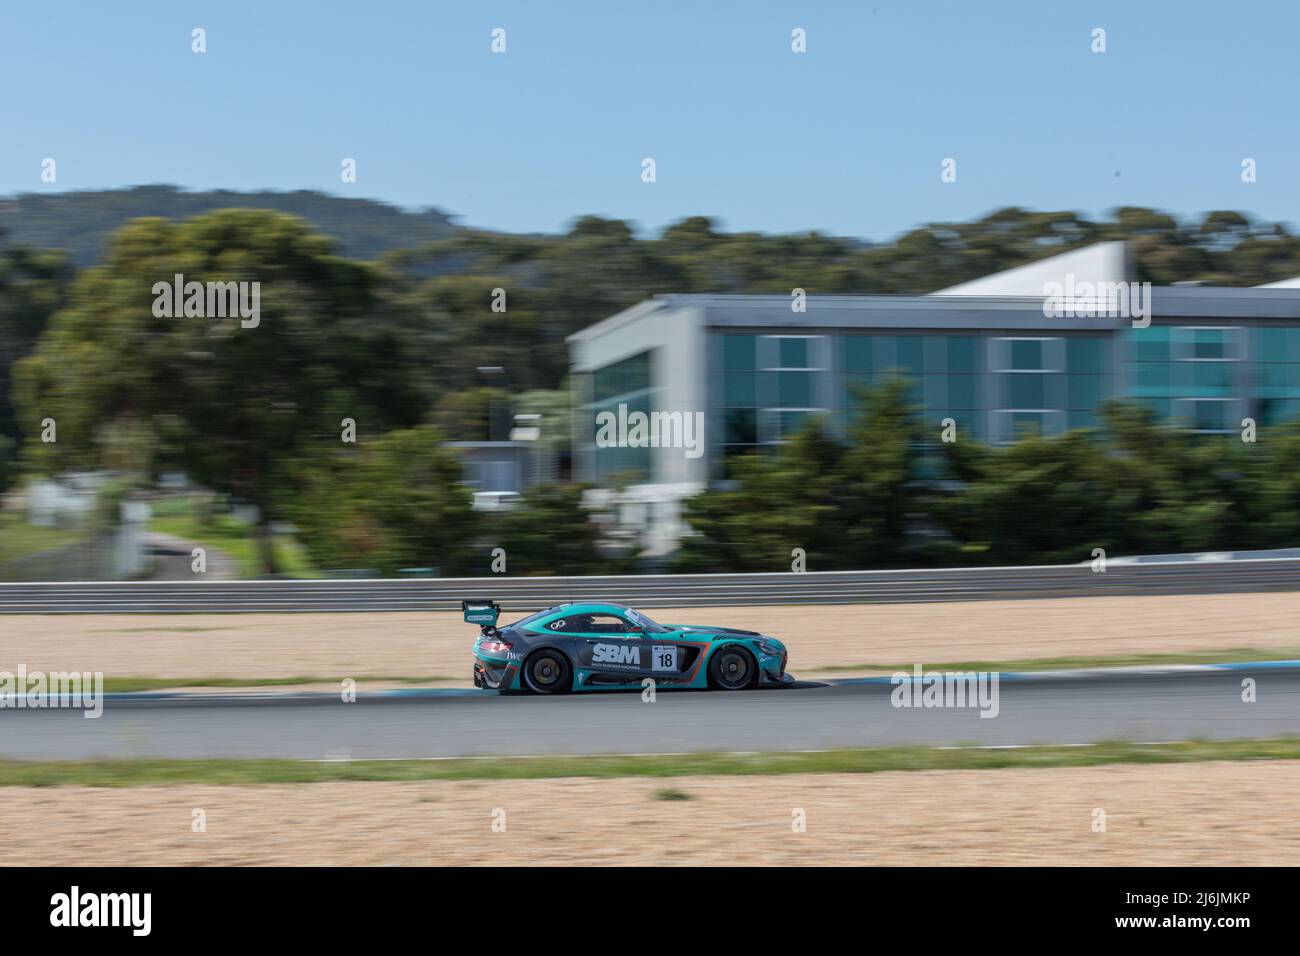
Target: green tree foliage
8, 463
885, 498
474, 414
549, 533
845, 505
879, 494
1271, 488
781, 501
33, 286
554, 407
1040, 500
229, 405
1132, 487
394, 502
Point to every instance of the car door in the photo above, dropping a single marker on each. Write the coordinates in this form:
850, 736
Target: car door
609, 644
668, 657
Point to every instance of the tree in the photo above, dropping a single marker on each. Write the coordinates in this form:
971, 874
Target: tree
470, 414
1039, 500
392, 503
1271, 487
880, 494
781, 500
33, 286
231, 402
549, 533
8, 463
846, 504
1131, 487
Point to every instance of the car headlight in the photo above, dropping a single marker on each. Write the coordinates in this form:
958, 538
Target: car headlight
771, 650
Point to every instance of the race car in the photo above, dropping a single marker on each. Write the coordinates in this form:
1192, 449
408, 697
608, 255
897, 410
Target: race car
591, 646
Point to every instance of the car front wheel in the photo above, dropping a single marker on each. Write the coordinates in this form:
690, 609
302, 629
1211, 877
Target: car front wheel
732, 668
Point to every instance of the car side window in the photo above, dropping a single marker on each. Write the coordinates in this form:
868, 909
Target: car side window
608, 624
570, 624
592, 624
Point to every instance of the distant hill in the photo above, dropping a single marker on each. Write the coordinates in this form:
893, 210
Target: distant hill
81, 222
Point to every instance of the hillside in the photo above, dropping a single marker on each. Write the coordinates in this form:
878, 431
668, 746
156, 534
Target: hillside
81, 222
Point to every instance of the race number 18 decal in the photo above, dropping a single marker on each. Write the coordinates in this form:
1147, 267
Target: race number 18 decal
664, 657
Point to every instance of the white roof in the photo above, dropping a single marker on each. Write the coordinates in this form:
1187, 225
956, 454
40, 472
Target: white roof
1100, 262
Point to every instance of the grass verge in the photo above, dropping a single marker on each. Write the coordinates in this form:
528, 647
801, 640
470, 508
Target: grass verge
18, 539
139, 773
237, 538
125, 685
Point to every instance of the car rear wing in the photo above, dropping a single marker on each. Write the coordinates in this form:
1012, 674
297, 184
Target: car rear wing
482, 612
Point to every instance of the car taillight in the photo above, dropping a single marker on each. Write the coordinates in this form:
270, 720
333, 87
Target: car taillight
498, 646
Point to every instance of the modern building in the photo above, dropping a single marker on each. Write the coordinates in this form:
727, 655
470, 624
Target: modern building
999, 355
499, 472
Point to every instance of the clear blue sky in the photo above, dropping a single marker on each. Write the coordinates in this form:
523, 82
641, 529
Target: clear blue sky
847, 138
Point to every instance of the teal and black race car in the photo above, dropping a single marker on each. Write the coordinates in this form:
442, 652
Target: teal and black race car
590, 646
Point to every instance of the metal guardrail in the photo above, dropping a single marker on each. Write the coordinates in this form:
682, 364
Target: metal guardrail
651, 591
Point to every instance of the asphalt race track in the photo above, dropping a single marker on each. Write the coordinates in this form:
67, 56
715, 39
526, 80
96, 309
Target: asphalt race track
1143, 708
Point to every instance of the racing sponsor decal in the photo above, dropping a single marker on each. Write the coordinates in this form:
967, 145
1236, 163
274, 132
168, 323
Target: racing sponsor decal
663, 657
616, 654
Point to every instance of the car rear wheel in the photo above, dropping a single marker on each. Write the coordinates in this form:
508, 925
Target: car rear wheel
732, 668
548, 672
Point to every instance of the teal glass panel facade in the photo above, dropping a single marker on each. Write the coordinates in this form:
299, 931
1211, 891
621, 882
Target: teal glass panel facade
1276, 374
627, 384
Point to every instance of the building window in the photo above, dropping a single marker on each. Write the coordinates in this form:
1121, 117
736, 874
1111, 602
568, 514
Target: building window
1276, 351
1209, 415
1088, 382
770, 385
943, 373
1189, 374
1031, 385
625, 383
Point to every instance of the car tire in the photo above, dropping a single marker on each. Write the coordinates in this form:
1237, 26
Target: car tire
732, 668
548, 672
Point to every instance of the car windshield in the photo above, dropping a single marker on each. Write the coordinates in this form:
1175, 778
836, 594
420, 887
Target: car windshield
643, 622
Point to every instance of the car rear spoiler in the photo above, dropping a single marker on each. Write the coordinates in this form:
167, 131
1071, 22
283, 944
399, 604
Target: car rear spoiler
483, 612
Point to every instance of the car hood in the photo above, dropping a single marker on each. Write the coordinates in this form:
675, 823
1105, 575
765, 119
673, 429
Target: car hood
715, 630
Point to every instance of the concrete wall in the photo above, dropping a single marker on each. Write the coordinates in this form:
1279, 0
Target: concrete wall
678, 369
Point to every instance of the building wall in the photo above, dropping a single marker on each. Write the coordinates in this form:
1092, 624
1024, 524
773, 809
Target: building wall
655, 362
993, 384
997, 365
